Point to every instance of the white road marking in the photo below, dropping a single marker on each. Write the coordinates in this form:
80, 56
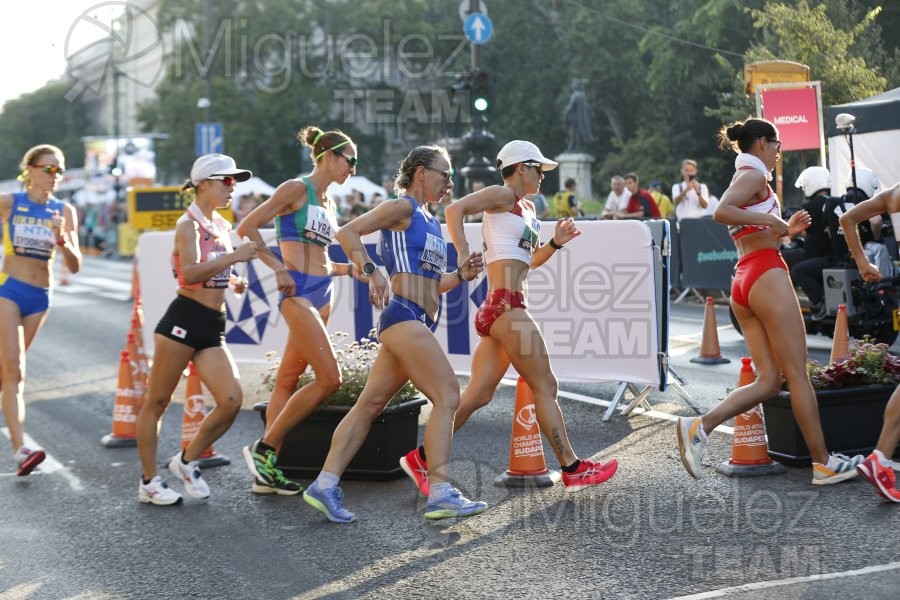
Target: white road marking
50, 464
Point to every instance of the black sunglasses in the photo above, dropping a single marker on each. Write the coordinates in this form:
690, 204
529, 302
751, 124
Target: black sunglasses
351, 160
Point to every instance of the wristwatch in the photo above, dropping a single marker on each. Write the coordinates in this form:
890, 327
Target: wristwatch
369, 268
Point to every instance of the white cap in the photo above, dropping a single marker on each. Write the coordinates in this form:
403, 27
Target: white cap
216, 164
814, 179
518, 151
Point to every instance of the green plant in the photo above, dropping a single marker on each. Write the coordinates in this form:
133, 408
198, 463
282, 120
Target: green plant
868, 363
355, 359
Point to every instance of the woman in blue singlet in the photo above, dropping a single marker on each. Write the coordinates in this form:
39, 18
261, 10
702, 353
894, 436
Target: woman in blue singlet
36, 225
305, 225
415, 255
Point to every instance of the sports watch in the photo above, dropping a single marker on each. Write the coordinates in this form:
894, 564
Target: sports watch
369, 268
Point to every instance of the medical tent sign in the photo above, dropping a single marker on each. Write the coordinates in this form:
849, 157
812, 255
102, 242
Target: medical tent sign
797, 115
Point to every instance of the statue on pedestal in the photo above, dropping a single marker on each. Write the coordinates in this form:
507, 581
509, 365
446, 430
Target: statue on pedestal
578, 118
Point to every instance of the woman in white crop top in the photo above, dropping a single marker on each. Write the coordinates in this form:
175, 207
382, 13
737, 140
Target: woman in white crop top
511, 235
765, 304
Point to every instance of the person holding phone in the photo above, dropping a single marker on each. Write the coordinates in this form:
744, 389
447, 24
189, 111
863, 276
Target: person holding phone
691, 197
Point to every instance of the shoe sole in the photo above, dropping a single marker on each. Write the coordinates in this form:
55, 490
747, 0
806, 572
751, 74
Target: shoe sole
176, 471
836, 478
682, 451
869, 477
251, 464
150, 500
449, 514
607, 475
316, 504
263, 489
404, 464
33, 460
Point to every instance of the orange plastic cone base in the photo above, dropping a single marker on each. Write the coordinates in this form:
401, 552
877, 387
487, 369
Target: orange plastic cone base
194, 412
124, 425
749, 449
840, 347
527, 466
709, 343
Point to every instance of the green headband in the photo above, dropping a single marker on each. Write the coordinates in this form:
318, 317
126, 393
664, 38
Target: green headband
335, 147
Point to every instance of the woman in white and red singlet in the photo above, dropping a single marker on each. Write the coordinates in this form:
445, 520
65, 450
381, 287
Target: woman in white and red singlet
193, 329
765, 304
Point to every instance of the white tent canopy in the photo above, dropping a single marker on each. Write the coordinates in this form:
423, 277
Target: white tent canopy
254, 185
875, 142
355, 182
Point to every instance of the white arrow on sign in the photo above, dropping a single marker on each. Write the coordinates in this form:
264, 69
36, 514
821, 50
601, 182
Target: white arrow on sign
478, 27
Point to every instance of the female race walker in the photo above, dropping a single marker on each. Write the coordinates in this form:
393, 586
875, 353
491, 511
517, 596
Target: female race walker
876, 468
193, 329
765, 304
305, 225
415, 255
512, 246
35, 226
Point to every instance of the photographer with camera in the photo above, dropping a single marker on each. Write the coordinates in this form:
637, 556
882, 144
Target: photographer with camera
690, 196
806, 271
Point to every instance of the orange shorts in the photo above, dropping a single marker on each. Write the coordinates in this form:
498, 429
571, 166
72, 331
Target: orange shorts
749, 269
497, 302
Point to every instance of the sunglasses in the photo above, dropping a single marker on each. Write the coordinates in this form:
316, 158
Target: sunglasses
227, 180
351, 160
776, 142
50, 169
445, 174
537, 166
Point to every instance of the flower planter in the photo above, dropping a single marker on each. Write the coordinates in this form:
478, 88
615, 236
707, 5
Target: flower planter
851, 421
393, 434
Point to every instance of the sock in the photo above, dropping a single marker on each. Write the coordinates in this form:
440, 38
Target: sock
422, 454
438, 490
181, 456
327, 481
573, 467
883, 460
262, 448
703, 437
146, 481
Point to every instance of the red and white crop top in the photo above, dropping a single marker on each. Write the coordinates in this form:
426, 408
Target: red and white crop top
514, 234
768, 205
211, 248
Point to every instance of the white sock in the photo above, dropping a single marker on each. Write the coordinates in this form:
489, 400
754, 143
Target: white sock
882, 459
438, 490
703, 437
326, 481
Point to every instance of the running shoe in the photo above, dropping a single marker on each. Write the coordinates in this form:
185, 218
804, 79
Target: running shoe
413, 465
690, 445
839, 468
157, 492
281, 486
330, 502
453, 504
882, 478
261, 464
589, 473
189, 474
27, 459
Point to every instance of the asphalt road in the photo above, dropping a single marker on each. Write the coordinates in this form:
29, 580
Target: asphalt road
76, 530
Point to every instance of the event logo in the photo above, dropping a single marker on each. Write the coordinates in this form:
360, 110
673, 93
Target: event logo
249, 314
129, 46
526, 417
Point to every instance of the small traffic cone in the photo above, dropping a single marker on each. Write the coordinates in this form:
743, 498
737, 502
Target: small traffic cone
527, 467
194, 411
135, 283
749, 450
709, 343
840, 347
124, 425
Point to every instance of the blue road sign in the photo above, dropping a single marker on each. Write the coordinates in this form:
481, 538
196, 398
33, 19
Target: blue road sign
478, 28
210, 138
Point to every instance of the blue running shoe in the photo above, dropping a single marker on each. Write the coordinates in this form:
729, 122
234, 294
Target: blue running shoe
453, 504
330, 502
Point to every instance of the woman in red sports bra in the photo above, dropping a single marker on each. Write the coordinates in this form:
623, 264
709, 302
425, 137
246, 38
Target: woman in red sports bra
765, 304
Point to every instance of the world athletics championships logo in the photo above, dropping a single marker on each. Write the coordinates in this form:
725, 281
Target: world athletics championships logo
129, 45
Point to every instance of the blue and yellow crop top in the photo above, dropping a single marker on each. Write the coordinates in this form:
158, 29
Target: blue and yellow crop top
29, 230
768, 205
514, 234
312, 223
420, 249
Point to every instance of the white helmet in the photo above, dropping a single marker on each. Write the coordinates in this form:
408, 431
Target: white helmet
813, 179
866, 181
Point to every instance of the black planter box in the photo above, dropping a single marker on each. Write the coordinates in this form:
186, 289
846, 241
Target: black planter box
851, 421
393, 434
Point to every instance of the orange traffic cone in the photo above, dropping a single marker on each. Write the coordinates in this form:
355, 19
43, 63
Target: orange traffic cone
709, 343
194, 411
840, 347
138, 370
124, 425
526, 449
749, 450
135, 283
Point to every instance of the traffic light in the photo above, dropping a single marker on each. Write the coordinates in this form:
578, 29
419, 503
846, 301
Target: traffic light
481, 88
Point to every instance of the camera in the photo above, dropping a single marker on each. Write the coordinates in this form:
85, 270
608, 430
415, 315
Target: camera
692, 177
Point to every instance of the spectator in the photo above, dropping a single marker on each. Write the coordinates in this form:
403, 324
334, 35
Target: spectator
663, 202
641, 204
564, 204
540, 205
806, 263
691, 197
617, 199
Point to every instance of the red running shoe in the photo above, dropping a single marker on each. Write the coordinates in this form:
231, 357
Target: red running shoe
881, 477
413, 465
588, 474
27, 459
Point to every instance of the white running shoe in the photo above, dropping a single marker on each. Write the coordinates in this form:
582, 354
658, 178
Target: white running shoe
189, 474
690, 444
157, 492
